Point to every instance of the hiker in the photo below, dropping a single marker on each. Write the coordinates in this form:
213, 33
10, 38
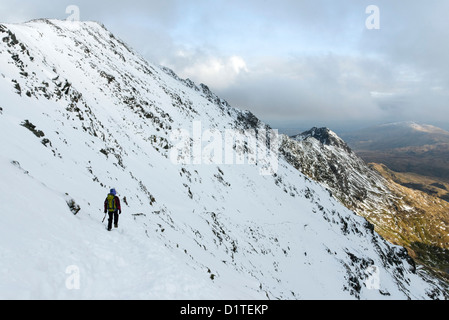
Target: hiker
112, 207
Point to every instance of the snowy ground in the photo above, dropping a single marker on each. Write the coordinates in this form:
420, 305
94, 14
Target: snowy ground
50, 251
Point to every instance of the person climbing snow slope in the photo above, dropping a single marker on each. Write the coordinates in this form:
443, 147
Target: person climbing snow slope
113, 208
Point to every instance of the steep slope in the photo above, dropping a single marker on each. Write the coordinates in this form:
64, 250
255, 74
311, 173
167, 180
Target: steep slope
320, 154
425, 225
404, 216
81, 113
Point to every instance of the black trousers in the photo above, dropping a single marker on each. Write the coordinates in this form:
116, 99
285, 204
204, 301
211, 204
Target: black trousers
113, 216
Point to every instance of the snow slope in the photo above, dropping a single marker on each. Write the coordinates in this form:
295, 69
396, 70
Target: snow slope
81, 113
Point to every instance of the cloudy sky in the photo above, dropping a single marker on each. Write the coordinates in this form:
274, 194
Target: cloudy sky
293, 63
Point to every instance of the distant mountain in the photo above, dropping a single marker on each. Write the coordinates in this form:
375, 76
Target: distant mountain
404, 147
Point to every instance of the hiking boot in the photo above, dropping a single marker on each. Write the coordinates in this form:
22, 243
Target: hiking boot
116, 225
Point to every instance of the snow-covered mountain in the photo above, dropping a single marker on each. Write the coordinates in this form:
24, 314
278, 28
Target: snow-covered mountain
81, 112
323, 156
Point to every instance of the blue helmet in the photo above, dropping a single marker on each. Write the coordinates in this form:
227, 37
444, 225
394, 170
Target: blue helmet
113, 192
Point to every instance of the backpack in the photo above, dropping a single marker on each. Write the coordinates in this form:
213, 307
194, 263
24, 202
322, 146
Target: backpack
112, 206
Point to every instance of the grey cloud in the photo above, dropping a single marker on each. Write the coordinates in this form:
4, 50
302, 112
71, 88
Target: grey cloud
309, 88
308, 61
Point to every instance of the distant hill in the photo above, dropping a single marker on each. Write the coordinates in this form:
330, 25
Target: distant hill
395, 135
404, 147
